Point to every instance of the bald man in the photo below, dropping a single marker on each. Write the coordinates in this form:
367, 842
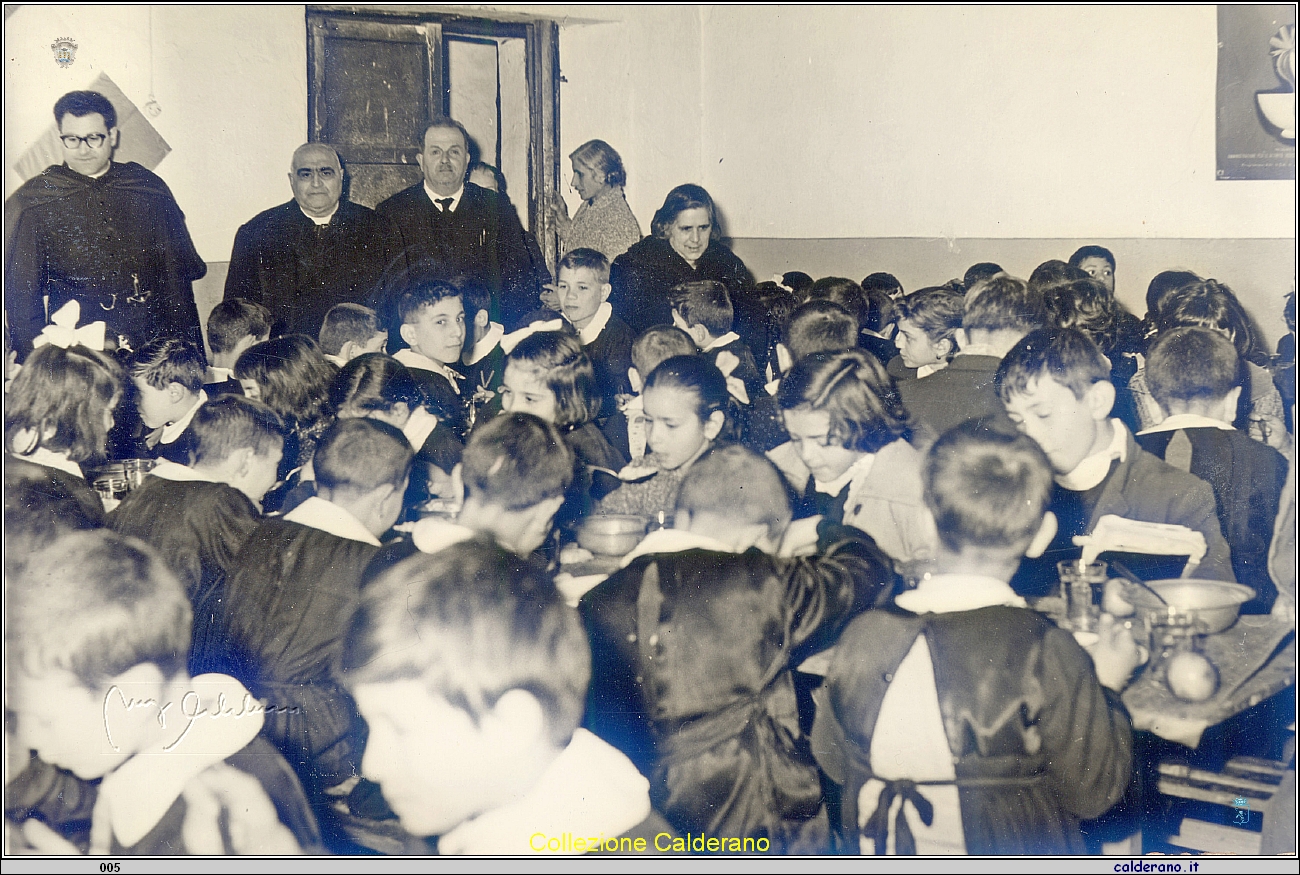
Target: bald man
301, 258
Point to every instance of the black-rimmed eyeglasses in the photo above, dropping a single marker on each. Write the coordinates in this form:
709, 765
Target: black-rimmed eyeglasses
94, 141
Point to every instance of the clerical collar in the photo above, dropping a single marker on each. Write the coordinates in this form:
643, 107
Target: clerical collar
321, 220
435, 197
1094, 469
597, 323
93, 175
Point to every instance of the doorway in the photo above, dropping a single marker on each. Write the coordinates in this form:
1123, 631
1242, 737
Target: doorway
375, 78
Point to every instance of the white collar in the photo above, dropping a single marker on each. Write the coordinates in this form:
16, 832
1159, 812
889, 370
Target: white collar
948, 593
1092, 470
326, 516
722, 341
413, 359
334, 359
674, 541
590, 790
418, 428
435, 197
1187, 420
321, 220
50, 459
165, 469
218, 375
596, 325
860, 468
216, 717
927, 370
519, 335
172, 430
432, 534
485, 344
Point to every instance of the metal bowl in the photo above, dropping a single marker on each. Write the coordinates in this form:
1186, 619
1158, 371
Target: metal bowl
612, 534
1214, 604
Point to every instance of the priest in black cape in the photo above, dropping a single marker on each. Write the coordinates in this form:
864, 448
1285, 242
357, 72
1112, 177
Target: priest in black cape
301, 258
451, 228
107, 234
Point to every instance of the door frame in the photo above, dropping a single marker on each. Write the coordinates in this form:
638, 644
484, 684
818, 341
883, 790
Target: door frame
542, 60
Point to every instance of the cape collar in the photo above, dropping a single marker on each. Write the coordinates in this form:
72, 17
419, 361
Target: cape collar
1095, 468
673, 541
1187, 420
326, 516
949, 593
596, 325
165, 469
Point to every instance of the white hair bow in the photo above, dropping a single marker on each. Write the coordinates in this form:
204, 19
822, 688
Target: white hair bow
63, 331
514, 338
727, 362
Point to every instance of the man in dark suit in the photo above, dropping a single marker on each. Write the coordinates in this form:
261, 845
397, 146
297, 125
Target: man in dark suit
449, 228
301, 258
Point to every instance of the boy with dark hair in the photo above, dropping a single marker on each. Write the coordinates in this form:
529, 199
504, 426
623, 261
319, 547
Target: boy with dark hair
432, 324
818, 326
960, 701
297, 580
997, 313
350, 330
1195, 376
1056, 386
693, 643
198, 517
167, 376
96, 641
233, 326
471, 672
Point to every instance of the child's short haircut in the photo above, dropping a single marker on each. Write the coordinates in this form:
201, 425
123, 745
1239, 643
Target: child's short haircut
1066, 355
516, 461
233, 422
95, 604
347, 322
1092, 251
474, 296
360, 455
1054, 273
586, 259
375, 382
1004, 303
167, 360
737, 483
558, 361
986, 488
60, 396
852, 387
820, 326
1088, 306
704, 302
797, 282
1165, 284
1187, 364
882, 282
233, 320
844, 292
978, 273
937, 311
658, 343
426, 294
473, 622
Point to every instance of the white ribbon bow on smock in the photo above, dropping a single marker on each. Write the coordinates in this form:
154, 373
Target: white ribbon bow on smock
514, 338
727, 362
63, 331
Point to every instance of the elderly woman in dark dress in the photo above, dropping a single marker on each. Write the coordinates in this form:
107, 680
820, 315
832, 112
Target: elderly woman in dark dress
682, 248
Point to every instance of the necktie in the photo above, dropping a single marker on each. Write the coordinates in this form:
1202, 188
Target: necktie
444, 204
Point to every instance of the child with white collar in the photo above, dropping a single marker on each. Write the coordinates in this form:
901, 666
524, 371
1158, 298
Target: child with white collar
350, 330
693, 641
583, 286
167, 375
1030, 737
96, 644
232, 327
433, 326
284, 613
626, 427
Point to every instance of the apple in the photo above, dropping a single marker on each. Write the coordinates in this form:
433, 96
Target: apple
1191, 677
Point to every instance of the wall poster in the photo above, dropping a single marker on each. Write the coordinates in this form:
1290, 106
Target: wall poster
1256, 100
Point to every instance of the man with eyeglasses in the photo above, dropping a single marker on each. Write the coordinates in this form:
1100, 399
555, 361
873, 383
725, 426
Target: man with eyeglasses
106, 234
301, 258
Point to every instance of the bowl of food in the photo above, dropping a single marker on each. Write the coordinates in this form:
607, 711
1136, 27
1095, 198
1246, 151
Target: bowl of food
1213, 604
612, 534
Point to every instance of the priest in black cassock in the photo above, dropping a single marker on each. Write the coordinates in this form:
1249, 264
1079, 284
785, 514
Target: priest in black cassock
451, 228
301, 258
109, 235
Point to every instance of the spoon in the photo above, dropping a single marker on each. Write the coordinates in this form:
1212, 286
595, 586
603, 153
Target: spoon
1133, 578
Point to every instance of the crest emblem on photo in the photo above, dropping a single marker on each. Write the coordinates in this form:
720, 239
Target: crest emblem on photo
65, 51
